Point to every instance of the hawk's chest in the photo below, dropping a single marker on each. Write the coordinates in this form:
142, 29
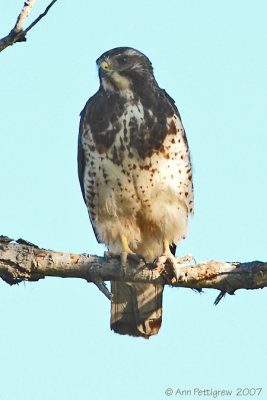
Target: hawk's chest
136, 141
142, 157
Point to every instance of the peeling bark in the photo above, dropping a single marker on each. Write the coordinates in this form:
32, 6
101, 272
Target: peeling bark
23, 261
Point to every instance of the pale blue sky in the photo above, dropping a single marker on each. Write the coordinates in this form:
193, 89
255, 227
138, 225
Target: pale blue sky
211, 57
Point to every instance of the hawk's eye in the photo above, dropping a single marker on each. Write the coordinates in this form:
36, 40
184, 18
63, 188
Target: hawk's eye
122, 60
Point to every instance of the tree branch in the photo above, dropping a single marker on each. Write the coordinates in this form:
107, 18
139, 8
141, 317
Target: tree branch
18, 34
23, 261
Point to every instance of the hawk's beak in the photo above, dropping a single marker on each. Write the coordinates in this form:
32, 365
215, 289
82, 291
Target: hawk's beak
104, 68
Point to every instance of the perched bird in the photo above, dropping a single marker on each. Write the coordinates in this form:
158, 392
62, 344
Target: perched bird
135, 176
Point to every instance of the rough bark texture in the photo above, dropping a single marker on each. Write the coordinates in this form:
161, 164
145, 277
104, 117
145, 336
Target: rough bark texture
18, 34
23, 261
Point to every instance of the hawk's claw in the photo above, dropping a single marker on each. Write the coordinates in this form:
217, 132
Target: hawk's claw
167, 266
125, 256
108, 255
136, 258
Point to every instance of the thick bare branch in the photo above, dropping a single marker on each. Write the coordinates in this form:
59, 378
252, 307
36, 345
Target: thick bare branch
23, 261
18, 34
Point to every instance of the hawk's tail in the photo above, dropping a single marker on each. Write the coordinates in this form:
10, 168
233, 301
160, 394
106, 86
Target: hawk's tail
136, 308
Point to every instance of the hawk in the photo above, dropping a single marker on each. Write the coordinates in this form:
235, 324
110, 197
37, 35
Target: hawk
136, 179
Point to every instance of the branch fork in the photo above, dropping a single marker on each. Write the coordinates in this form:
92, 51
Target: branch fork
18, 33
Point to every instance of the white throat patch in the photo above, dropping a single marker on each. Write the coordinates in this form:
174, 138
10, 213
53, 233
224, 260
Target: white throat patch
121, 82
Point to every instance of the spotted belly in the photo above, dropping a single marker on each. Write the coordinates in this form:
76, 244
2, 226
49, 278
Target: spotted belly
141, 194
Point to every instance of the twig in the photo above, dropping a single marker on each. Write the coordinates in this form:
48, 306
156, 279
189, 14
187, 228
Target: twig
40, 17
103, 288
18, 34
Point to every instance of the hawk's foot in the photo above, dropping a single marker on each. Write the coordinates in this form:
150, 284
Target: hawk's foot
108, 254
167, 263
128, 254
125, 257
135, 258
167, 267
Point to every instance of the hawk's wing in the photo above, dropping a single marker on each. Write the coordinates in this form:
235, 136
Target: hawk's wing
81, 164
172, 101
80, 159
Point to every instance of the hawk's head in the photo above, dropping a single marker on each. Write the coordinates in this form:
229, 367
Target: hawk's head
123, 68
